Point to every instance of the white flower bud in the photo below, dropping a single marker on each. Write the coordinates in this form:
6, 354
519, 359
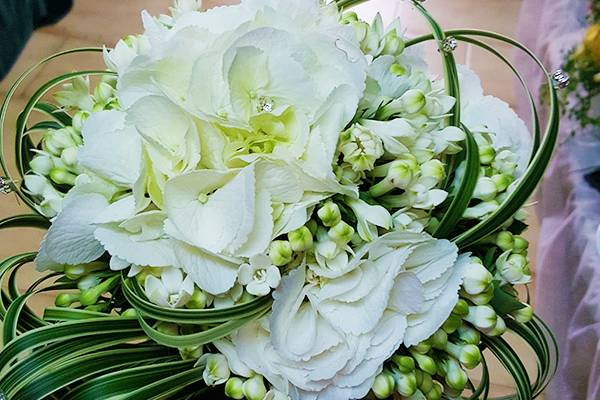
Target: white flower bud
329, 214
482, 298
54, 141
394, 45
254, 388
456, 377
69, 156
301, 239
435, 169
482, 317
384, 385
513, 268
424, 362
199, 299
398, 70
469, 355
103, 93
78, 120
361, 148
477, 279
404, 363
400, 175
341, 233
412, 101
523, 315
280, 252
216, 371
234, 388
41, 164
485, 189
349, 17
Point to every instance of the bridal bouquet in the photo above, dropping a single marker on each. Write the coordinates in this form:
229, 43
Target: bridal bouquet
269, 201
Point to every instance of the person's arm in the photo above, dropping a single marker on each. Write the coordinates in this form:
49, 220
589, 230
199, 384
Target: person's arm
18, 19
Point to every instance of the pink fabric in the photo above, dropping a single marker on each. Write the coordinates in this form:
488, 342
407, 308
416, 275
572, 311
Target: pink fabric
568, 265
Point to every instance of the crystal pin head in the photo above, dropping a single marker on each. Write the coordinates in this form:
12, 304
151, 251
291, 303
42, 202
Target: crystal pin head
265, 105
5, 188
449, 44
561, 79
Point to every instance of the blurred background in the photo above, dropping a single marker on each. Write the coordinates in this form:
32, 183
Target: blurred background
97, 23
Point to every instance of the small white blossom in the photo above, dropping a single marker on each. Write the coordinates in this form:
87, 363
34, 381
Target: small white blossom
259, 275
171, 290
216, 371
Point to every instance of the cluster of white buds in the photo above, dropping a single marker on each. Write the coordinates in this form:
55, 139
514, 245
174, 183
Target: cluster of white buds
360, 148
497, 174
374, 39
54, 168
252, 388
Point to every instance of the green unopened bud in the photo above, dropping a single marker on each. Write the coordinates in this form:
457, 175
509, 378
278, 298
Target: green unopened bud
435, 393
481, 210
103, 93
423, 347
485, 189
404, 363
66, 299
486, 154
425, 362
254, 388
424, 381
482, 317
129, 313
505, 240
461, 308
91, 296
301, 239
75, 272
452, 323
398, 70
440, 338
341, 233
312, 226
384, 385
69, 156
456, 377
406, 383
190, 352
41, 164
55, 141
216, 371
329, 214
468, 335
199, 300
523, 315
62, 177
400, 175
349, 17
499, 329
521, 245
234, 388
280, 252
412, 101
99, 307
469, 355
393, 44
477, 279
502, 181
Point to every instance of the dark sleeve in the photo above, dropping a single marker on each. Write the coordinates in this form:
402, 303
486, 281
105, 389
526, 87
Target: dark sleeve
18, 19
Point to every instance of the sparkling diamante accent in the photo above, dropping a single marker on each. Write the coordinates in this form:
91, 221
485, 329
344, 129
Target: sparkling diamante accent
449, 44
561, 79
5, 188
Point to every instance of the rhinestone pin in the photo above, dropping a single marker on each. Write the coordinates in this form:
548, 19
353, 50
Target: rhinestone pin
5, 188
561, 79
265, 105
449, 44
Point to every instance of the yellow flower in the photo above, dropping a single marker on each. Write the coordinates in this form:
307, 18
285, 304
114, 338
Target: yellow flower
591, 42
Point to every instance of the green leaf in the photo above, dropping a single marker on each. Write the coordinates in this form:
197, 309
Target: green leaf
504, 302
464, 193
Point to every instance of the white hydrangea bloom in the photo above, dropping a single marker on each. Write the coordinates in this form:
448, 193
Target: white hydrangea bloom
259, 275
171, 290
328, 339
